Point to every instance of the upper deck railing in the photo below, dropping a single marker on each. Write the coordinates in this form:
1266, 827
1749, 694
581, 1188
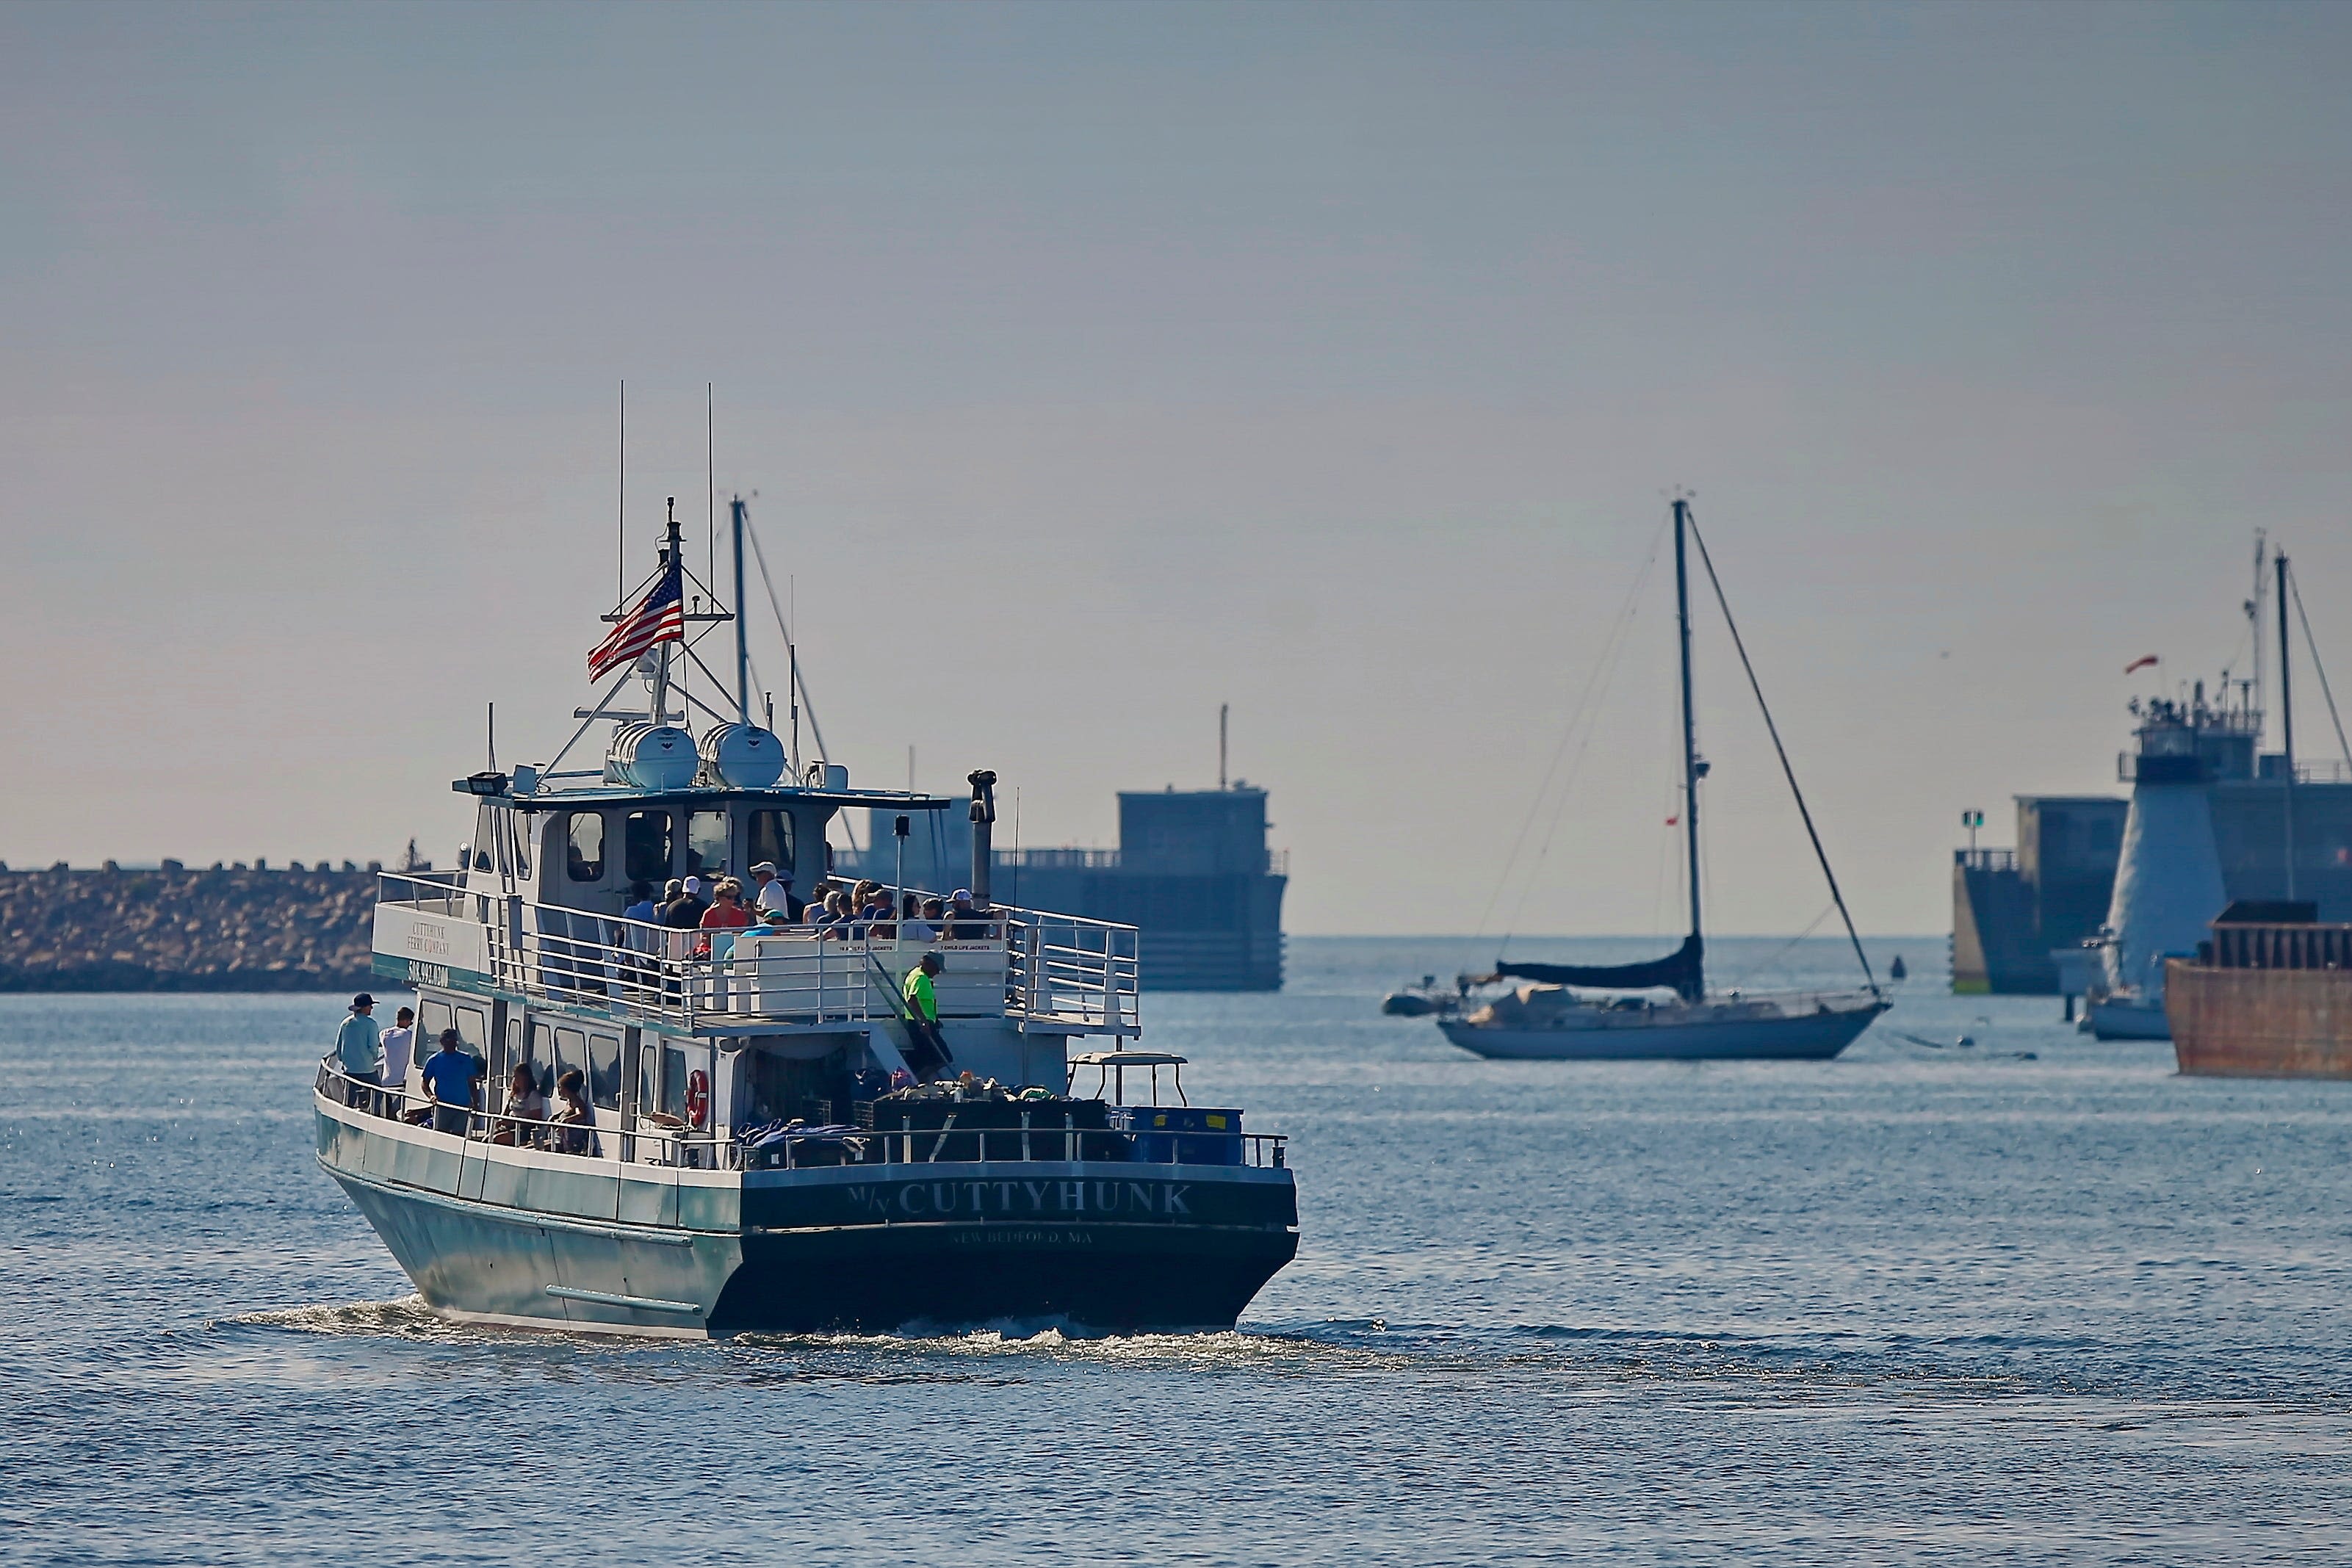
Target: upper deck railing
1985, 860
1031, 966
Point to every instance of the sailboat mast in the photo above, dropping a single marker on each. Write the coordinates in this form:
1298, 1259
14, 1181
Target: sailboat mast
1690, 720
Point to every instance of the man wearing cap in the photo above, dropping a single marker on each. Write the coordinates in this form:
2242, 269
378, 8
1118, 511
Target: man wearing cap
360, 1053
775, 891
923, 1014
965, 924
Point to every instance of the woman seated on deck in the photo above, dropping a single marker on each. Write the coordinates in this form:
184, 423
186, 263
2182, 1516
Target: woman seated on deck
575, 1124
526, 1110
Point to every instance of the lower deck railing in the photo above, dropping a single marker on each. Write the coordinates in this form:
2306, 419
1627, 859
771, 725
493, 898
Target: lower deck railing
1047, 1136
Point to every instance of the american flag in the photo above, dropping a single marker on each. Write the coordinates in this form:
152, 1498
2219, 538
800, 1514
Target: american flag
659, 617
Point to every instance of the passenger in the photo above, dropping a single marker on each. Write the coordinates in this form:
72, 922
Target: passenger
775, 923
923, 1017
641, 904
836, 916
360, 1054
527, 1107
449, 1075
684, 912
727, 914
965, 924
912, 926
775, 891
399, 1042
575, 1122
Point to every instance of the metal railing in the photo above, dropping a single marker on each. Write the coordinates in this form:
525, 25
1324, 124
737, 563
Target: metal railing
1985, 860
645, 1143
1062, 968
641, 1143
1033, 1141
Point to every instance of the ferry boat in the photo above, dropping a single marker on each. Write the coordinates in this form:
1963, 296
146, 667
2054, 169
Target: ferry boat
770, 1140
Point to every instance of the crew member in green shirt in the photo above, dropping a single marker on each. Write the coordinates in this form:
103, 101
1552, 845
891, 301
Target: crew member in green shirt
923, 1014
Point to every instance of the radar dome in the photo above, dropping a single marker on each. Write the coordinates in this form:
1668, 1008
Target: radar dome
743, 756
652, 757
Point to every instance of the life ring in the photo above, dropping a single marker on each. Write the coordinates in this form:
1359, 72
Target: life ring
697, 1098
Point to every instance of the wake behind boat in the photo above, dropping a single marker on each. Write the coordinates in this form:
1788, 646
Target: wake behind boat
1591, 1012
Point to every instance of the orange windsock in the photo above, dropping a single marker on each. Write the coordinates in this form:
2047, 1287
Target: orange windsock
2142, 662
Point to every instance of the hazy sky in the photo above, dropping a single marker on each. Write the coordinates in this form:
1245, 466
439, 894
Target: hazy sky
1096, 365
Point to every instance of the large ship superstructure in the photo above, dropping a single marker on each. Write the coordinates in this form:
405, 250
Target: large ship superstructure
1191, 872
767, 1135
2222, 808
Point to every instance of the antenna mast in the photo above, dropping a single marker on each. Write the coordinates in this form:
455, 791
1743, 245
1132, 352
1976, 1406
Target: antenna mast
742, 636
1222, 710
621, 560
2286, 718
671, 557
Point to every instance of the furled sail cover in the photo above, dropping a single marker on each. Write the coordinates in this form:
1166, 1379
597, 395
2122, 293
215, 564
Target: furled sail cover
1683, 970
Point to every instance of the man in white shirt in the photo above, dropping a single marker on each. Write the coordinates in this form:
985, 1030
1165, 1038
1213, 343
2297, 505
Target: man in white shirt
399, 1044
775, 891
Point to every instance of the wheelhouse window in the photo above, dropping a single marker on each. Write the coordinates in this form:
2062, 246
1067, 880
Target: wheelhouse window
583, 846
518, 836
768, 836
706, 843
486, 832
645, 846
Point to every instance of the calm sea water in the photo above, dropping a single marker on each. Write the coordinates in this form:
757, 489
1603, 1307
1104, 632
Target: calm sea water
1924, 1303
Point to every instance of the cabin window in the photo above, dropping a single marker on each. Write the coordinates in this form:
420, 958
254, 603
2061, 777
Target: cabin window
644, 846
648, 1077
541, 1056
673, 1080
706, 843
474, 1029
486, 831
432, 1016
604, 1071
571, 1053
769, 837
518, 836
583, 846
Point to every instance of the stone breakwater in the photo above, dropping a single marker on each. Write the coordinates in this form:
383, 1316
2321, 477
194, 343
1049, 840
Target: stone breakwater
179, 929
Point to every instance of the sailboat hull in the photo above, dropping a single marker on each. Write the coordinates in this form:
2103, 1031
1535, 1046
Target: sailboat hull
1710, 1032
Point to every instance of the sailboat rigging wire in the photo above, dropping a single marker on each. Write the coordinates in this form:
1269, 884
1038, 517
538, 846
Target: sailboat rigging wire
1623, 620
1612, 656
1787, 771
2295, 588
1782, 951
760, 557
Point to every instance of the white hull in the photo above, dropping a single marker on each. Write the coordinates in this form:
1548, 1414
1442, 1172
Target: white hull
1714, 1031
2129, 1020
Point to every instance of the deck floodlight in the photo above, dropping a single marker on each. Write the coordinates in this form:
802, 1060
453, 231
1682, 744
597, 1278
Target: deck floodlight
489, 782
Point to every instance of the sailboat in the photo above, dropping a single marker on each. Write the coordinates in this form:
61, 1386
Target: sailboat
1555, 1017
